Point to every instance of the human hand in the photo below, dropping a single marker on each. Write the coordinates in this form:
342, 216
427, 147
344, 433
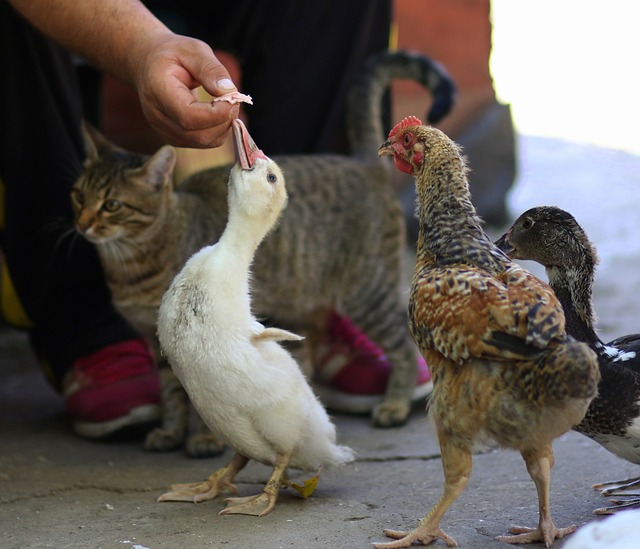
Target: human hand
168, 71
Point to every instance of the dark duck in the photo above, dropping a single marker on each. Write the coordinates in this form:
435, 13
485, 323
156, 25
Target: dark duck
553, 238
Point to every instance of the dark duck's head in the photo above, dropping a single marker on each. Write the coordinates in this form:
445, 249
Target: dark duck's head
551, 237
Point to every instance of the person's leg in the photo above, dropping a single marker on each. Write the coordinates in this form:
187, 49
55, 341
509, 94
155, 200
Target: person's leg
304, 57
298, 60
57, 276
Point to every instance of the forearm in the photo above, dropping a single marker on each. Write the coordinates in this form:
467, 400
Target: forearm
110, 34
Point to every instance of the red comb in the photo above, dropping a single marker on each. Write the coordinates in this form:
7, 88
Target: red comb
404, 123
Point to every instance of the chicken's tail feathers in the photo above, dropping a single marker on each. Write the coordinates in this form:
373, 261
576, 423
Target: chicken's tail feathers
571, 371
365, 124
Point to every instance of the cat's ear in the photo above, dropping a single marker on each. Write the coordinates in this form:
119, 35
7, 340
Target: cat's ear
95, 144
159, 167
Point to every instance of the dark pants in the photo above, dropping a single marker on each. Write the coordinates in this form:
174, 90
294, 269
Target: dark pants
297, 60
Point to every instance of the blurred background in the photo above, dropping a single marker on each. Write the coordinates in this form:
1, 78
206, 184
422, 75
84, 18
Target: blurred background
547, 112
568, 71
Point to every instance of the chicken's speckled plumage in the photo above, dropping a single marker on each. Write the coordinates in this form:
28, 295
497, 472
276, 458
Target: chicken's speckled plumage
493, 335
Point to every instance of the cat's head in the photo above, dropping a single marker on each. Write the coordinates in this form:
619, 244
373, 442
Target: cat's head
120, 194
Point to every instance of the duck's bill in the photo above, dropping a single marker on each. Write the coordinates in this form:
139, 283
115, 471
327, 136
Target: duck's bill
247, 152
504, 244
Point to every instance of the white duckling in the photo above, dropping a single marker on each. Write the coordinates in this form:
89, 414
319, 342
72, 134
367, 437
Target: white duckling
620, 531
242, 382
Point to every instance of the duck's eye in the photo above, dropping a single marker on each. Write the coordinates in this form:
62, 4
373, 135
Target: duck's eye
111, 205
271, 178
527, 223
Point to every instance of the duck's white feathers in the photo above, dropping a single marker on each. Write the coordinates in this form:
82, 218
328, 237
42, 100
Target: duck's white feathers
242, 382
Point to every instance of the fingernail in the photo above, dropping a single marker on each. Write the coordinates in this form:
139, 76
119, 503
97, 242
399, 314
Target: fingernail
234, 111
226, 84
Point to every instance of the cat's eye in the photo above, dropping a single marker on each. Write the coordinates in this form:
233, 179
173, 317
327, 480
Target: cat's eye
79, 197
271, 178
111, 205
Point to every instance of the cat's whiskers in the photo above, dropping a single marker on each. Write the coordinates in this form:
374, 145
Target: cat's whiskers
68, 168
63, 229
117, 254
70, 234
114, 257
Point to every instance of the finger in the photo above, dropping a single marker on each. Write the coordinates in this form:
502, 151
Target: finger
186, 110
177, 135
209, 72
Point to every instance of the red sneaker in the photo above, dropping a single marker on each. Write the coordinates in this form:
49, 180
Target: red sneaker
114, 392
352, 372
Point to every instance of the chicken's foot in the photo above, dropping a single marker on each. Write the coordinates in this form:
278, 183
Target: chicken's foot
218, 482
456, 462
263, 503
539, 465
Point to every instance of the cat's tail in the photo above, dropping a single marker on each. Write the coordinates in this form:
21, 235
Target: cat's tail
364, 103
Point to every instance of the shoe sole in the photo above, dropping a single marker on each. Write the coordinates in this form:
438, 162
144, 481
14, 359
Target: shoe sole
135, 424
361, 404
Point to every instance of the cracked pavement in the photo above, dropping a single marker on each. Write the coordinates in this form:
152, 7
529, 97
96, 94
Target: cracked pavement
60, 491
57, 490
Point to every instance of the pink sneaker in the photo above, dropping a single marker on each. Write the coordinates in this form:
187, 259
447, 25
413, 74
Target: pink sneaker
114, 392
352, 372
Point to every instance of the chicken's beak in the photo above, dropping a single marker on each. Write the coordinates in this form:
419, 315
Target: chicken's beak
385, 149
247, 152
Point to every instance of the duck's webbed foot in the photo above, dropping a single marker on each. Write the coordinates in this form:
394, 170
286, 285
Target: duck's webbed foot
261, 504
631, 501
616, 488
219, 481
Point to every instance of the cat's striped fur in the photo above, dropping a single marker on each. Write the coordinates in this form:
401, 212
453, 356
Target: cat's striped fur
340, 242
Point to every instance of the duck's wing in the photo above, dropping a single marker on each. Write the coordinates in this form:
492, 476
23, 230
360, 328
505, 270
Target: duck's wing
275, 334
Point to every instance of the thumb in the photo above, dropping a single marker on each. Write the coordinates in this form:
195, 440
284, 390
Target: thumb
215, 78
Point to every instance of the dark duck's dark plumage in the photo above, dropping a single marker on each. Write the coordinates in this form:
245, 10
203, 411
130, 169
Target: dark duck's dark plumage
553, 238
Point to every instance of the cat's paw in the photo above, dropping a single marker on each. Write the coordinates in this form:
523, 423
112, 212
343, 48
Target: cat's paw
163, 440
204, 445
391, 413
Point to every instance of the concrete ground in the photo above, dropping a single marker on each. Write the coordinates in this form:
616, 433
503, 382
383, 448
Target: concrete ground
60, 491
57, 490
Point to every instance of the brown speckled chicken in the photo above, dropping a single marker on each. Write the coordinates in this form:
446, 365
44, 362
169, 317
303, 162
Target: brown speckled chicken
503, 367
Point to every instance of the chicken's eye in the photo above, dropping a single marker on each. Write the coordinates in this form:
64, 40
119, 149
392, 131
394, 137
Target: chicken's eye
271, 178
407, 139
111, 205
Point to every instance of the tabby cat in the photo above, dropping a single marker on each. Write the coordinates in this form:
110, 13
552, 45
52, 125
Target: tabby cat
339, 245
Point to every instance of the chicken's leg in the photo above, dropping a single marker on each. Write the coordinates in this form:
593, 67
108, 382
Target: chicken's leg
456, 463
201, 491
263, 503
539, 463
